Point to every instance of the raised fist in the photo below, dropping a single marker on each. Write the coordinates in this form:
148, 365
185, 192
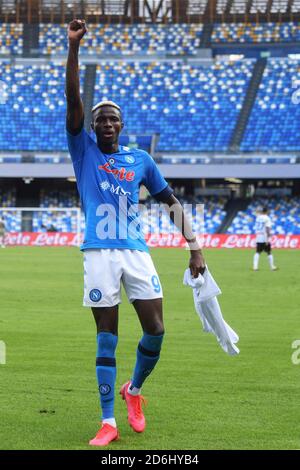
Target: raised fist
76, 30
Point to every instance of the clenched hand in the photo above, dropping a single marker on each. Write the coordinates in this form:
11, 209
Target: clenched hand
76, 30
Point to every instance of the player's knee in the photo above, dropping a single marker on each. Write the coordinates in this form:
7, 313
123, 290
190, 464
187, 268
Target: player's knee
157, 329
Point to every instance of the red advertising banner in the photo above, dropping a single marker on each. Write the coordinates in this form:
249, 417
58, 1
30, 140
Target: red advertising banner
222, 241
41, 239
165, 240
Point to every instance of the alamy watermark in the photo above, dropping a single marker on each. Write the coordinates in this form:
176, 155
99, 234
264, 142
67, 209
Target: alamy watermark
2, 352
136, 220
296, 354
296, 93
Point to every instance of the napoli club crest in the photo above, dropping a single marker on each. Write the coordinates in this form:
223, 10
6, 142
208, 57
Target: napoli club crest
95, 295
129, 159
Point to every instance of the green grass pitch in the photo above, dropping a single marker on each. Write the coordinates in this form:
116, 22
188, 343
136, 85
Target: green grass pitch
198, 396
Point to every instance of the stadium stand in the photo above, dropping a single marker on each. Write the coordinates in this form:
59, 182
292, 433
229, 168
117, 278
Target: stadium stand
205, 218
11, 39
192, 107
7, 197
206, 213
12, 219
275, 119
284, 213
35, 95
198, 99
177, 39
203, 101
56, 221
256, 33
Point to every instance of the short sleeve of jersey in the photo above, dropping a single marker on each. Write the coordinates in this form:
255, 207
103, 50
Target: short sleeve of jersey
77, 144
153, 179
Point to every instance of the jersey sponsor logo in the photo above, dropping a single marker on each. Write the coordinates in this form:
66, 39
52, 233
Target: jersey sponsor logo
119, 191
104, 389
95, 295
105, 185
129, 159
121, 174
114, 189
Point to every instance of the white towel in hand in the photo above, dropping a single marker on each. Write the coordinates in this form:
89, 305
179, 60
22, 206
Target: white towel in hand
205, 290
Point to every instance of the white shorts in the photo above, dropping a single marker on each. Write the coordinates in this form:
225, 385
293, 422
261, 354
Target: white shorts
104, 269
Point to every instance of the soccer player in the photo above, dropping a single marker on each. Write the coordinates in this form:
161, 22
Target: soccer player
108, 180
263, 233
2, 233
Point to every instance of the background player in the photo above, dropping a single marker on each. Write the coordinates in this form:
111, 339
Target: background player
263, 226
108, 180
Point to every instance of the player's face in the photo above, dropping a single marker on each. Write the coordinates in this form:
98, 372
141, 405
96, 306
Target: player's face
107, 124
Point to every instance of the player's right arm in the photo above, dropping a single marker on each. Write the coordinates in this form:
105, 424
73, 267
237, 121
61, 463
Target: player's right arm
75, 116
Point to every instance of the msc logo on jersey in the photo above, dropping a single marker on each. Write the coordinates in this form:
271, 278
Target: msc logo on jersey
114, 189
121, 174
104, 389
129, 159
105, 185
95, 295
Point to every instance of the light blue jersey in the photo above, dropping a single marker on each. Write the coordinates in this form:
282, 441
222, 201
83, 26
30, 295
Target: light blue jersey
108, 186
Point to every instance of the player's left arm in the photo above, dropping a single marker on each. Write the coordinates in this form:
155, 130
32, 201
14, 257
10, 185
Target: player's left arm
178, 217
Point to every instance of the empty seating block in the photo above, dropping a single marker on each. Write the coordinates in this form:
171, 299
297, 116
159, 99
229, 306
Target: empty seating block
125, 39
275, 118
254, 32
11, 40
33, 117
191, 107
